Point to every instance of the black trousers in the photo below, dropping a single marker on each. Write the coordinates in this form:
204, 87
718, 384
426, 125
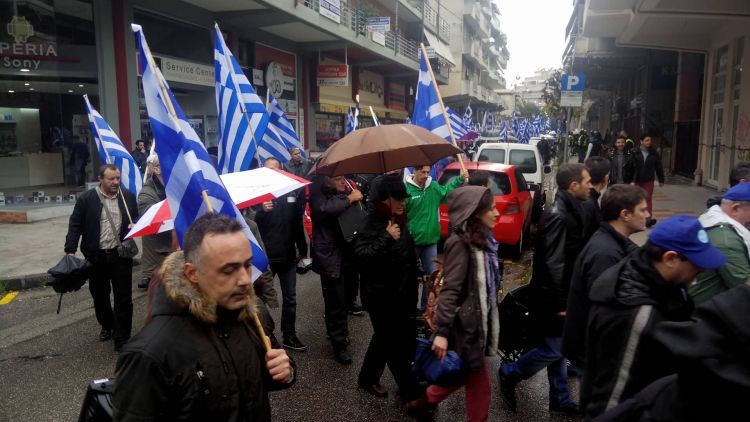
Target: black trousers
110, 273
334, 297
393, 343
300, 239
288, 280
350, 273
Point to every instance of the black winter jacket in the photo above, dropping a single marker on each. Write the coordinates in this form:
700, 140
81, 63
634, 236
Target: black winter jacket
326, 205
592, 215
388, 267
193, 361
559, 240
85, 222
645, 171
622, 357
713, 370
277, 229
604, 250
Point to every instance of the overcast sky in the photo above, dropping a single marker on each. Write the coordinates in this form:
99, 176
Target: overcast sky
536, 34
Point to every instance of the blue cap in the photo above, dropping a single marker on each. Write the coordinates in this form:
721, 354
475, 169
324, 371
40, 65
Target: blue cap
685, 235
740, 192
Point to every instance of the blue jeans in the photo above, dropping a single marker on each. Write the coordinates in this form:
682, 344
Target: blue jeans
546, 355
426, 254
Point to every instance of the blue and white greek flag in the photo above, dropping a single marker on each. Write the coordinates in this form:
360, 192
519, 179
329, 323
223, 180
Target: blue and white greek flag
186, 166
503, 129
428, 112
112, 151
244, 129
468, 113
522, 132
514, 126
547, 125
489, 124
283, 126
457, 124
537, 125
351, 122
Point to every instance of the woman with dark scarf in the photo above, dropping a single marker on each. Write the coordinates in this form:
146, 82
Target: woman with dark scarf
467, 308
384, 249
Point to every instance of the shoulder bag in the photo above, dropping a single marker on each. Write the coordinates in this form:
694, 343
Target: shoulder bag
127, 249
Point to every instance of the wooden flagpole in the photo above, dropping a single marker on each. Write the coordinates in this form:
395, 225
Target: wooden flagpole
109, 161
442, 106
204, 193
374, 117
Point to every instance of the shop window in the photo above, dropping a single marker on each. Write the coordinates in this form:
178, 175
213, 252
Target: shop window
48, 60
170, 38
329, 128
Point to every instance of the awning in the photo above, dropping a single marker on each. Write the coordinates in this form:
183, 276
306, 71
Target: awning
441, 49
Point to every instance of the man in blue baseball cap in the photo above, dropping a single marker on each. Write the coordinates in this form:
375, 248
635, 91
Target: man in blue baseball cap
727, 226
646, 287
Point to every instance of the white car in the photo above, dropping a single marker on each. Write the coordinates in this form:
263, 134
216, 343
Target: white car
526, 157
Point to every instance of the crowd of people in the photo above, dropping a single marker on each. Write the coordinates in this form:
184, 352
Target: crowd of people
622, 316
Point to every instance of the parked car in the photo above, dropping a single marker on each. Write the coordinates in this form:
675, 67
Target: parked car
527, 158
512, 199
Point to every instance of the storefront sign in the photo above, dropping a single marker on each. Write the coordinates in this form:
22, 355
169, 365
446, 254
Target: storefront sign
378, 37
275, 79
22, 54
430, 52
187, 72
379, 24
333, 75
371, 88
395, 97
258, 77
331, 9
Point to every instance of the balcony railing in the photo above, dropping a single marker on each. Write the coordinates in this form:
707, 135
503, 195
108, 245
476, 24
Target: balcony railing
353, 19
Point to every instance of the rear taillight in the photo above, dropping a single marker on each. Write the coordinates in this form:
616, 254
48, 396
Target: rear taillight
512, 207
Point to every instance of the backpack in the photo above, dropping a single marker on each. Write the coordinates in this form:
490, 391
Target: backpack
435, 285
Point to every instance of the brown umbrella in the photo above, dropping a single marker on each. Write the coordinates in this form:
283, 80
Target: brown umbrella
380, 149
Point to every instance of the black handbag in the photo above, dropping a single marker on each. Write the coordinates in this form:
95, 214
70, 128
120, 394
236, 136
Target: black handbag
351, 220
127, 249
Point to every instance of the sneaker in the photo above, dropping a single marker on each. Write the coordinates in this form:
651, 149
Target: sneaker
421, 409
508, 389
292, 342
650, 222
143, 284
356, 310
105, 334
342, 356
571, 409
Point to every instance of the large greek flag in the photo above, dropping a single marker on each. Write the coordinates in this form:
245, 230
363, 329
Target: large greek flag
427, 110
244, 129
186, 166
283, 126
112, 151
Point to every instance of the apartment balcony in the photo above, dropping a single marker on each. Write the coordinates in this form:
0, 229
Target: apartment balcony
353, 24
470, 87
476, 19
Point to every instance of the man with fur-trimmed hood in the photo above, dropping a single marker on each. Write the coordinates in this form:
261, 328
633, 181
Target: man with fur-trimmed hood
200, 356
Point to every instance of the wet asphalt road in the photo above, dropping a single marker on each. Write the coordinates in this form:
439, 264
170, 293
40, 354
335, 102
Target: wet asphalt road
47, 360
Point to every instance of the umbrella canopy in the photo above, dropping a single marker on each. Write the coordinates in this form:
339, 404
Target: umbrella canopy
380, 149
247, 188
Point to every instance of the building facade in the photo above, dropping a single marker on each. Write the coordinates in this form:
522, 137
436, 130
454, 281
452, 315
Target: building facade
707, 41
314, 56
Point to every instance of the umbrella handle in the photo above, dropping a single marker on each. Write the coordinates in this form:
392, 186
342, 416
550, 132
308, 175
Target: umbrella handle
59, 303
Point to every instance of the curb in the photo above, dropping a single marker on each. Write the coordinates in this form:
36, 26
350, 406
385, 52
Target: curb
33, 281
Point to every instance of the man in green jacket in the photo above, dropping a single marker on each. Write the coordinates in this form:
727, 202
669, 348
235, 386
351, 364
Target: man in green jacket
727, 226
422, 210
156, 247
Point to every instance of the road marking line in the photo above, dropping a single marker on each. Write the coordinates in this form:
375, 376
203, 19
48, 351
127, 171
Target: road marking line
7, 298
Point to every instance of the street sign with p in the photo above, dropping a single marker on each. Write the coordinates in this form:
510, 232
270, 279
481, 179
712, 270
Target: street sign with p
573, 82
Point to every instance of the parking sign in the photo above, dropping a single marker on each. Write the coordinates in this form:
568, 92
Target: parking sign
572, 82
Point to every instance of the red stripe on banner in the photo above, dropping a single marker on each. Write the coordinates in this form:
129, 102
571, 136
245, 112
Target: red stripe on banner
255, 201
292, 176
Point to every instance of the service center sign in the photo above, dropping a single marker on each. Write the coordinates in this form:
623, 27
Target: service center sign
333, 75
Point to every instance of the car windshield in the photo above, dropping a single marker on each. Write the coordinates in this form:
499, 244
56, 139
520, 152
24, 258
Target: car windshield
523, 159
499, 182
492, 155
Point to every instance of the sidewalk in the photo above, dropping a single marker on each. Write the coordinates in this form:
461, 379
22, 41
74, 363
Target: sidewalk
27, 251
